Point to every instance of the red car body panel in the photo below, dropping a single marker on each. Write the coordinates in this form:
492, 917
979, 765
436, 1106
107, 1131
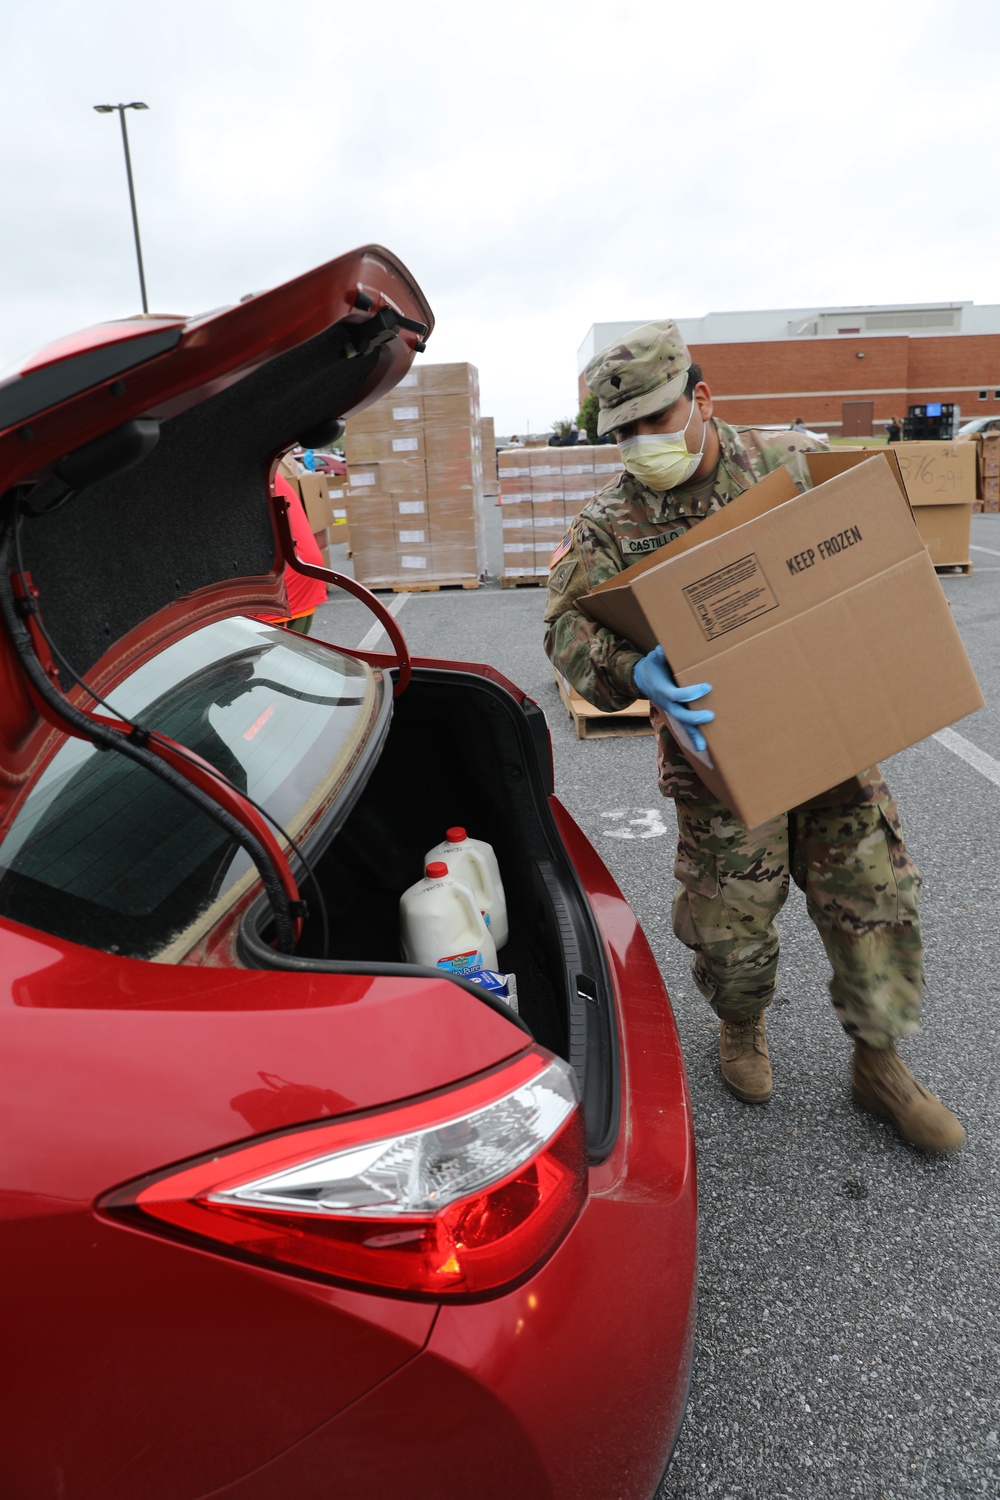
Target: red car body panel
143, 1365
506, 1388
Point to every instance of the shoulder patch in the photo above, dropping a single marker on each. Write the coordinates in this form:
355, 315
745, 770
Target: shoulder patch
559, 580
562, 549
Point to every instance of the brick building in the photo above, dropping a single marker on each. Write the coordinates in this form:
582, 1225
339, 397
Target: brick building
840, 369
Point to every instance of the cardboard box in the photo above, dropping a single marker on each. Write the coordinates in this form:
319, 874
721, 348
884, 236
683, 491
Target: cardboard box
937, 473
820, 623
487, 438
940, 483
516, 512
376, 447
450, 411
455, 379
315, 495
392, 413
391, 476
945, 531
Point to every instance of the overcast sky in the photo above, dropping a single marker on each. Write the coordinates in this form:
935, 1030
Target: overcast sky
538, 166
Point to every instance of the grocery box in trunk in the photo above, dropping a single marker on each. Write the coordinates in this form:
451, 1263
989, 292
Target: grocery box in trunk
818, 620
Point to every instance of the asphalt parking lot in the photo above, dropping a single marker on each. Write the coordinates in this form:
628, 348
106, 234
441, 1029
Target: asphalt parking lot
849, 1323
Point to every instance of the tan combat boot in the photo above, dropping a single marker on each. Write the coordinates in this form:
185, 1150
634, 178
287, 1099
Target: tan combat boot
746, 1067
884, 1085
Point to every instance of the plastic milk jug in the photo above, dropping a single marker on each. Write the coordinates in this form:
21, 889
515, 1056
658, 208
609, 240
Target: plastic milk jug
473, 862
441, 924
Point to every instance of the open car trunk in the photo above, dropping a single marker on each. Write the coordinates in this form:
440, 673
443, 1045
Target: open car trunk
490, 778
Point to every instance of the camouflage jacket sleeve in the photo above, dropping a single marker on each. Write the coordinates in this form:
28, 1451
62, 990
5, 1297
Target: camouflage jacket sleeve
598, 663
772, 450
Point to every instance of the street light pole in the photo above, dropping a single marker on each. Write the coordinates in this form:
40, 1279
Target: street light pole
107, 109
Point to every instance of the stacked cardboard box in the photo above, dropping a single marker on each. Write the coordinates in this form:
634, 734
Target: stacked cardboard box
988, 472
541, 490
940, 480
415, 481
491, 481
338, 532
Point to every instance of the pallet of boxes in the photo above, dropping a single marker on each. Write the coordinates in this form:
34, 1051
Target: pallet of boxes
414, 492
541, 491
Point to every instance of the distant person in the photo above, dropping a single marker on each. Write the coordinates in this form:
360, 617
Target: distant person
304, 593
799, 426
892, 430
309, 460
573, 436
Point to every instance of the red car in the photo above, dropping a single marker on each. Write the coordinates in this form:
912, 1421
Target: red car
284, 1216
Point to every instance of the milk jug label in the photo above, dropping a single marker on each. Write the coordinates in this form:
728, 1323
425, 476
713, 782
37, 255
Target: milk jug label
458, 963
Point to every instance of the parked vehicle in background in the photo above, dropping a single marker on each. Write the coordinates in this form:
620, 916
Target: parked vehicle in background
323, 463
979, 424
282, 1211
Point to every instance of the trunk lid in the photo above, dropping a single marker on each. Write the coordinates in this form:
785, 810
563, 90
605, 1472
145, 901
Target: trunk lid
142, 456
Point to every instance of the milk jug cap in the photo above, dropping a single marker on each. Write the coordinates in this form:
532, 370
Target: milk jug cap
455, 835
436, 869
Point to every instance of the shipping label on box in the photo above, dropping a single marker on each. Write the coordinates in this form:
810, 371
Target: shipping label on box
411, 507
366, 478
821, 625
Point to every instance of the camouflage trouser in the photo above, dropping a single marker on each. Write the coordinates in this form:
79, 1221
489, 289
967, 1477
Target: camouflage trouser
846, 852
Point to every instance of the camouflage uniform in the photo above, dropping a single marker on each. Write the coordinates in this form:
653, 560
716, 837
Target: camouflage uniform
844, 849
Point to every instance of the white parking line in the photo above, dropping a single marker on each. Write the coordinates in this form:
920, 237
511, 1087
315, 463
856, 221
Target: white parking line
974, 547
970, 753
371, 640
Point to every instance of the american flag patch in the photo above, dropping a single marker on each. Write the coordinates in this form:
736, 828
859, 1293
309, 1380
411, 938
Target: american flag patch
562, 549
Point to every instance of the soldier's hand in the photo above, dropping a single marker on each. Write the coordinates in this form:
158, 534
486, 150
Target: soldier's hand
654, 681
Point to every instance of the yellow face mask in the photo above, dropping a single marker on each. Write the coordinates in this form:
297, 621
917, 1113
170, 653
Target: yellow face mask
660, 460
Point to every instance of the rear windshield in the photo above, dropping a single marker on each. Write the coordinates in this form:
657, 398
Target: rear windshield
105, 853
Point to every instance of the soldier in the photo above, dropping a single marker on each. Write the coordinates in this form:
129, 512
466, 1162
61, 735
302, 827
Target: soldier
844, 849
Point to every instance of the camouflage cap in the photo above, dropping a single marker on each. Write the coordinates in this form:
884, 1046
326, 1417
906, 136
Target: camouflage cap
641, 374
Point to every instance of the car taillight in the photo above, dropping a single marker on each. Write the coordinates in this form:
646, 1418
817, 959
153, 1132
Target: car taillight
458, 1195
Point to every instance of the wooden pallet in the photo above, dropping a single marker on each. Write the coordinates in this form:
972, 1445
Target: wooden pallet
430, 587
507, 581
964, 568
593, 723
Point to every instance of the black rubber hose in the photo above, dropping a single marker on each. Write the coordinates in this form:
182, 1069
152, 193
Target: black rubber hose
111, 739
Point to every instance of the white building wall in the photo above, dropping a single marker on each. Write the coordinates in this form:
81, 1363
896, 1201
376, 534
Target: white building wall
922, 319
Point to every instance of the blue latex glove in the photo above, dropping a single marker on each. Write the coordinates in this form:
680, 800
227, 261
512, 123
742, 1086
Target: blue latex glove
653, 680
